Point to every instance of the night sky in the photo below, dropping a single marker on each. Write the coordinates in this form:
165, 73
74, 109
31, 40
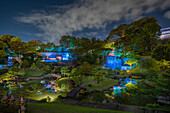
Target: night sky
48, 20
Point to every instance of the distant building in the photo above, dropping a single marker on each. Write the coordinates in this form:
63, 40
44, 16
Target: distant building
165, 33
113, 61
55, 56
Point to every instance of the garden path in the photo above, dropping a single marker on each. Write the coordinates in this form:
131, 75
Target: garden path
75, 91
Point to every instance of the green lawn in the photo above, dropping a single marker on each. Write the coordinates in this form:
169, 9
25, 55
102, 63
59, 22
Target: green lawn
64, 108
44, 94
104, 84
55, 108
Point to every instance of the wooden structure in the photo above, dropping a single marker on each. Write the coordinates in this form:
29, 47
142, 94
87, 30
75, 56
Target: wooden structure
20, 102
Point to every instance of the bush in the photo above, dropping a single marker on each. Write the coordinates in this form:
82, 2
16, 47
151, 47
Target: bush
25, 63
58, 99
148, 64
46, 68
43, 100
98, 97
89, 85
33, 66
161, 52
152, 105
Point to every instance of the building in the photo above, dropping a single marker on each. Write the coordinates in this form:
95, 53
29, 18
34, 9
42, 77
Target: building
165, 33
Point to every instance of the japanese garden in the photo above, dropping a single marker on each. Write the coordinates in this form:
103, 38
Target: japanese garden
128, 71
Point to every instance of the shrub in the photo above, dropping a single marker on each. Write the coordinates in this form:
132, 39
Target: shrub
148, 64
33, 66
89, 85
25, 63
43, 100
98, 97
161, 52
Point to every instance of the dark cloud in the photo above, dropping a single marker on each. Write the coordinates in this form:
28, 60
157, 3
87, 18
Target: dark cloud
89, 14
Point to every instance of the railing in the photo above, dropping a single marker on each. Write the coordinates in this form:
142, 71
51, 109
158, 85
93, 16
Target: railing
12, 101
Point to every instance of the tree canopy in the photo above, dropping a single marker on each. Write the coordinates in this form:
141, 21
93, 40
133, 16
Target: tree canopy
142, 33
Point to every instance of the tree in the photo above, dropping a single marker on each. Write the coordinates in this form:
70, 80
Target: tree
16, 39
32, 44
85, 69
43, 47
25, 63
3, 45
38, 63
33, 66
65, 71
142, 33
164, 64
65, 41
3, 55
6, 38
50, 45
99, 75
18, 47
148, 64
74, 72
161, 52
130, 62
32, 48
46, 68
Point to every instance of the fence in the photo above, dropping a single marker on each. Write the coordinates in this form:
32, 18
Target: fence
12, 101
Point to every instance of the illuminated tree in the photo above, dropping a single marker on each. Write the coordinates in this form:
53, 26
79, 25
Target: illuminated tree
130, 62
16, 39
164, 64
142, 33
6, 38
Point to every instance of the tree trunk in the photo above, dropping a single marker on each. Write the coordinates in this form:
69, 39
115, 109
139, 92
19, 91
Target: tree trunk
98, 80
139, 99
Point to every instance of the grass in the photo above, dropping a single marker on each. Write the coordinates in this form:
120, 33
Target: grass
63, 80
104, 84
162, 108
55, 108
64, 108
44, 94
